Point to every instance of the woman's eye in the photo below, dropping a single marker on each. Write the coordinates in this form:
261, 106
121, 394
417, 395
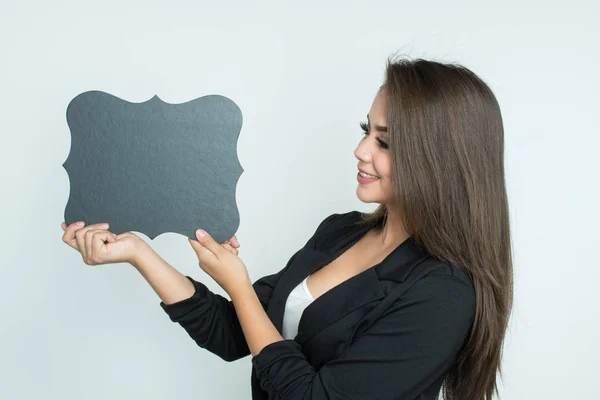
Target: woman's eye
365, 128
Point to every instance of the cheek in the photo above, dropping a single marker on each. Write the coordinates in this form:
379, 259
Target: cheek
384, 167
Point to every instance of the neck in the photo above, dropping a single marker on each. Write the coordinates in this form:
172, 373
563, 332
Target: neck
393, 233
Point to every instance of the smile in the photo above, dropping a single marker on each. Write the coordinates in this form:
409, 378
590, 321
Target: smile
364, 181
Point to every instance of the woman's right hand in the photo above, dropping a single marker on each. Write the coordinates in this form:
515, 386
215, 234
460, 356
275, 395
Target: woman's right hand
99, 246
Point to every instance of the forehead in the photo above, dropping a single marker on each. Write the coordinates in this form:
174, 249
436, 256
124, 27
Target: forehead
378, 112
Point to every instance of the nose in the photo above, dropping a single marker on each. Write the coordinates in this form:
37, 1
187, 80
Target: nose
363, 152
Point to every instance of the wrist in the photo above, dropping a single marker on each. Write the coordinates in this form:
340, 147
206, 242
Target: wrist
242, 292
141, 252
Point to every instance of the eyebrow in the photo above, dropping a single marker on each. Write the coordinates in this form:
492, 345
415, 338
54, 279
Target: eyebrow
378, 128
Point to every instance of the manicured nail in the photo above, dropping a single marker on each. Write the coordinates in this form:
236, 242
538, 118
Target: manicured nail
79, 223
200, 233
104, 225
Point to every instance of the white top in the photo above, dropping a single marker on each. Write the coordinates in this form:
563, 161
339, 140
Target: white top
295, 304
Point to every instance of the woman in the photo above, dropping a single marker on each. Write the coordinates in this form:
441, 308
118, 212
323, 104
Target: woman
401, 303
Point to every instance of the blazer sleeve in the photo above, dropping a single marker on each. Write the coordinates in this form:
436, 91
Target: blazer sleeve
211, 320
410, 347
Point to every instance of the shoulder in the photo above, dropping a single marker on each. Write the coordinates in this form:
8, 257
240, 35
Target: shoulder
448, 291
431, 269
334, 228
338, 219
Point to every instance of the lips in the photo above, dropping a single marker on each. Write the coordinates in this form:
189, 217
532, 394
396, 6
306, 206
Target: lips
363, 171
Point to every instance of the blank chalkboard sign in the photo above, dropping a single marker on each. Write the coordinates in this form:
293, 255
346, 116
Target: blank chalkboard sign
154, 167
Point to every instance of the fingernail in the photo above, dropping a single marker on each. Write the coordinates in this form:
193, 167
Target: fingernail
200, 233
104, 225
79, 223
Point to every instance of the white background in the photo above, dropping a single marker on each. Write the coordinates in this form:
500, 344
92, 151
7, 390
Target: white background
304, 77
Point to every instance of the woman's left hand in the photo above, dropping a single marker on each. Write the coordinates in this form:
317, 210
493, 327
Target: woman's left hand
225, 267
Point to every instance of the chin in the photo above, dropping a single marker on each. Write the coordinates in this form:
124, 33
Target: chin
367, 197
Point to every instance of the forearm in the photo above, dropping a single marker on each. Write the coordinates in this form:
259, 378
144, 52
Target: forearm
258, 329
168, 283
208, 318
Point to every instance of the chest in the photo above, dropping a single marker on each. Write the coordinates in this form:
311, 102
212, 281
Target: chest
352, 262
347, 296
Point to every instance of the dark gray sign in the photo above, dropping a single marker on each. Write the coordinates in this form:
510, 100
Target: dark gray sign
154, 167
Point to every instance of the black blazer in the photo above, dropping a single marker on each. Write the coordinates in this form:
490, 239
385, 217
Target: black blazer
390, 332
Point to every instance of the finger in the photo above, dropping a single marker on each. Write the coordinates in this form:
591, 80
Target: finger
89, 244
204, 255
89, 235
98, 247
208, 242
69, 236
234, 242
230, 248
80, 238
228, 243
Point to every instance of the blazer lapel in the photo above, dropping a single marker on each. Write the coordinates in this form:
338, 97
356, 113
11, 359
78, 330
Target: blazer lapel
342, 299
349, 295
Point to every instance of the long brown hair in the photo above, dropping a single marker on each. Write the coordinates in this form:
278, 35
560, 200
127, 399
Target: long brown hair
446, 139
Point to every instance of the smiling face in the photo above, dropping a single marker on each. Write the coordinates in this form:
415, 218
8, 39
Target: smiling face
374, 156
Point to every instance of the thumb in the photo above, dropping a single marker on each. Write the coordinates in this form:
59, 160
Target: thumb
208, 242
112, 238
